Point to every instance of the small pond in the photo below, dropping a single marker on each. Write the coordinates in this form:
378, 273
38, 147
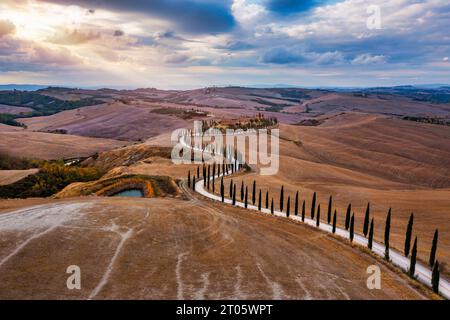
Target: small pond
135, 193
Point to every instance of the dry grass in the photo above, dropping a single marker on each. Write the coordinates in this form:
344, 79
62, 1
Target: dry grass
183, 249
11, 176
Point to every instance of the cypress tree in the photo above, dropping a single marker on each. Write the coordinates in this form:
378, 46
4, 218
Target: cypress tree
387, 231
218, 170
204, 177
303, 210
435, 277
254, 193
231, 188
198, 171
296, 205
282, 198
234, 194
408, 234
222, 190
412, 266
267, 199
330, 203
209, 176
366, 220
318, 216
352, 227
242, 190
246, 197
213, 183
313, 205
288, 207
271, 207
193, 183
259, 200
189, 178
334, 222
433, 248
370, 241
347, 217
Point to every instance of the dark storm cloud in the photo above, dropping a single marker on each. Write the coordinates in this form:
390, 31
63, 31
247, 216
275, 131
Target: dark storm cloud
193, 16
282, 56
293, 6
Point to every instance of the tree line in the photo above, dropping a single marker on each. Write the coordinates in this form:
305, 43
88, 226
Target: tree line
331, 216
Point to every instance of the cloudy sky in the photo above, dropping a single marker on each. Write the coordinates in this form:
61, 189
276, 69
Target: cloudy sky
195, 43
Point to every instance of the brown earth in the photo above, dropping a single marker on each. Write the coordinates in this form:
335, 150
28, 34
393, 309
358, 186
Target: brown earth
179, 249
114, 120
27, 144
14, 110
359, 159
11, 176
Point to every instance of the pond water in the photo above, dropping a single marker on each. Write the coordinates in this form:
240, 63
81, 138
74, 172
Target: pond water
136, 193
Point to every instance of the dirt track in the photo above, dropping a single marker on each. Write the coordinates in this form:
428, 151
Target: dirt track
178, 249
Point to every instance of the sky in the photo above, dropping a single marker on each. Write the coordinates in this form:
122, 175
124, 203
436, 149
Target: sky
182, 44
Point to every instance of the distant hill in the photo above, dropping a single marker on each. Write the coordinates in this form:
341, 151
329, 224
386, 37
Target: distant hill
22, 87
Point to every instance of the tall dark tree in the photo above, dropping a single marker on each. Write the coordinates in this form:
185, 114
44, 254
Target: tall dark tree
246, 197
204, 177
218, 170
193, 183
267, 199
259, 200
189, 178
198, 171
234, 194
435, 275
347, 217
313, 205
242, 190
213, 182
230, 192
408, 234
370, 241
366, 220
209, 176
296, 204
288, 207
334, 221
330, 203
222, 190
387, 232
303, 210
282, 198
318, 216
412, 265
254, 193
352, 227
433, 248
271, 207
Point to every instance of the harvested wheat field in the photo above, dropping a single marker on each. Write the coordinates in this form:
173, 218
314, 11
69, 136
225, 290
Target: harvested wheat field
179, 249
39, 145
360, 158
11, 176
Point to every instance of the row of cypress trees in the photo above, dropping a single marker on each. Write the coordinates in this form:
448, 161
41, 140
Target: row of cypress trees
368, 225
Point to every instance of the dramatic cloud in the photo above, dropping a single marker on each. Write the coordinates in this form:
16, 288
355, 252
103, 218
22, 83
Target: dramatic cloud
194, 16
179, 43
367, 58
74, 37
293, 6
6, 27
